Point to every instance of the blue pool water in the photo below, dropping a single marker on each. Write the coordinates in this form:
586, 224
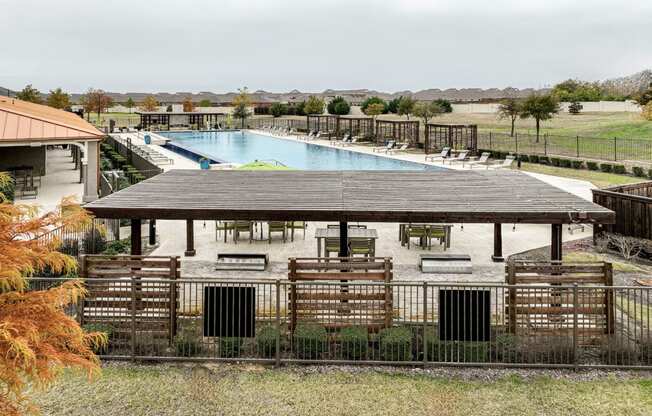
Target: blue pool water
245, 147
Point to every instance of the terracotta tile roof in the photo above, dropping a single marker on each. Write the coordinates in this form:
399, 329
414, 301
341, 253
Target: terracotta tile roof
25, 121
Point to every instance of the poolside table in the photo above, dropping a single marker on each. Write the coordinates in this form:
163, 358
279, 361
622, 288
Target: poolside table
447, 228
323, 233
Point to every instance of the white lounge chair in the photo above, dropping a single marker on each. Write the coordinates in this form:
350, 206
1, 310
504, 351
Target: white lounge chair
403, 148
461, 157
509, 160
440, 156
482, 160
390, 144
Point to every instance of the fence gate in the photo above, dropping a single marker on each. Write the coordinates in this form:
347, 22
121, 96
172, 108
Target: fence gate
133, 297
547, 301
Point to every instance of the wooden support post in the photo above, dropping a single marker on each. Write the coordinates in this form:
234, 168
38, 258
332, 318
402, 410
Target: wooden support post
344, 237
152, 232
136, 242
555, 246
498, 244
190, 238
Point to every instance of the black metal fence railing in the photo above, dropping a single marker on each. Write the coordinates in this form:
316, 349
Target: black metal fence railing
89, 238
612, 149
271, 122
431, 323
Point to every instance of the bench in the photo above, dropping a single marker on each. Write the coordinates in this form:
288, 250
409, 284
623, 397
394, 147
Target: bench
445, 263
242, 261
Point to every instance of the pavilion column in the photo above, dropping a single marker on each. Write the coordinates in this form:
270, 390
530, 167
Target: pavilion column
344, 239
152, 232
136, 241
190, 238
91, 171
555, 244
498, 243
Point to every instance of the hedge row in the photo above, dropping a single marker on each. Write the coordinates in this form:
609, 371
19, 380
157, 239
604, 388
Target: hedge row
576, 164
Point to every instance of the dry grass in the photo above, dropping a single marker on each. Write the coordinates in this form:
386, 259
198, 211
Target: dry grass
597, 178
254, 390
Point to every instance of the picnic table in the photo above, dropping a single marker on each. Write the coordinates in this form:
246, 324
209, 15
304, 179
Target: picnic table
323, 233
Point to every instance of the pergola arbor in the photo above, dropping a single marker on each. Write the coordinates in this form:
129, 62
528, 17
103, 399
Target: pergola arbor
401, 131
324, 123
356, 126
166, 120
455, 136
449, 196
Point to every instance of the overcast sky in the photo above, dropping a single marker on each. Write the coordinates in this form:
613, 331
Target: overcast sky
311, 45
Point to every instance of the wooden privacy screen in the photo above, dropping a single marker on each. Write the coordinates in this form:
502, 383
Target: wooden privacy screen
539, 308
128, 294
633, 207
337, 306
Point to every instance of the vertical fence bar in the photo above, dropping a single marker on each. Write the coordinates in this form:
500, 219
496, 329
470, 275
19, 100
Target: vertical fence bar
615, 149
133, 319
575, 332
278, 323
425, 322
577, 145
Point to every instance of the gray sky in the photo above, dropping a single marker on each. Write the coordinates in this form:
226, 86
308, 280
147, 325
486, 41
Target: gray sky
311, 45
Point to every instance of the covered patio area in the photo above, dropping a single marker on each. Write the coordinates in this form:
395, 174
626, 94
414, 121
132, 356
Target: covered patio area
461, 197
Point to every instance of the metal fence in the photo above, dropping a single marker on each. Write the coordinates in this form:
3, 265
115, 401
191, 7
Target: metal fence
89, 238
205, 319
612, 149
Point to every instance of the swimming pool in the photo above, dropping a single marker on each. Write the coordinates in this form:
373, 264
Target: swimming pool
245, 147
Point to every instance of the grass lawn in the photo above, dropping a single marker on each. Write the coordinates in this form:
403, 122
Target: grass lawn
599, 179
254, 390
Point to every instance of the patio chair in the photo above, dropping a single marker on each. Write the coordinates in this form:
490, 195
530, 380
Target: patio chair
482, 160
509, 160
361, 247
296, 225
276, 227
438, 232
351, 142
243, 227
390, 145
344, 140
403, 148
461, 157
440, 156
223, 226
417, 231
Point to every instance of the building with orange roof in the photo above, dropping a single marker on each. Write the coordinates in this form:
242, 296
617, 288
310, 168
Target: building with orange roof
26, 129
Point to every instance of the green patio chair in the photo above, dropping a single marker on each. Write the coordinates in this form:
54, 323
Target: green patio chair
225, 227
276, 227
243, 227
438, 232
417, 231
296, 225
361, 247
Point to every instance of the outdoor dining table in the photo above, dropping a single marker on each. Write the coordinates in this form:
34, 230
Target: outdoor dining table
447, 228
323, 233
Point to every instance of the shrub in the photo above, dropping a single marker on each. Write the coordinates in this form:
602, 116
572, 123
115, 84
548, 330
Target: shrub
507, 348
619, 169
555, 161
645, 354
534, 158
118, 247
592, 165
230, 347
187, 345
638, 171
564, 163
455, 351
309, 341
445, 104
396, 344
106, 328
649, 173
524, 158
618, 351
544, 160
69, 246
606, 167
355, 342
94, 241
577, 164
551, 350
8, 189
266, 341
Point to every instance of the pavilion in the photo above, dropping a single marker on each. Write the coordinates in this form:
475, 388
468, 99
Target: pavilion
27, 128
165, 120
448, 196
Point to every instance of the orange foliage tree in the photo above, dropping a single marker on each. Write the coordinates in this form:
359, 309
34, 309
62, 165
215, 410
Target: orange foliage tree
37, 338
188, 105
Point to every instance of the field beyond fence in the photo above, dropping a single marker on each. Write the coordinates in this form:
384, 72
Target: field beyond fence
614, 149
